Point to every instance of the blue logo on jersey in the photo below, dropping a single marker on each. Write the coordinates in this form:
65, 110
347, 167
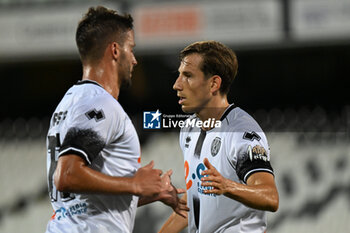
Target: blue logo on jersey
151, 120
201, 188
77, 209
197, 175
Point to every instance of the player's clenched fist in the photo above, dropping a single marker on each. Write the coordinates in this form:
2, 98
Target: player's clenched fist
147, 181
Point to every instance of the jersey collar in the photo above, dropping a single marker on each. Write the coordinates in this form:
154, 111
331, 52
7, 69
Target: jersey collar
227, 111
86, 81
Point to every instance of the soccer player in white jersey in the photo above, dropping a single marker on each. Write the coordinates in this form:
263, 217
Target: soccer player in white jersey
93, 152
229, 180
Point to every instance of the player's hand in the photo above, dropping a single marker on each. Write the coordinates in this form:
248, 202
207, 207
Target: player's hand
213, 178
169, 195
147, 181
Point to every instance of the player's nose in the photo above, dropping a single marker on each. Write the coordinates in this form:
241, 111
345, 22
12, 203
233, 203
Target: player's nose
134, 61
177, 85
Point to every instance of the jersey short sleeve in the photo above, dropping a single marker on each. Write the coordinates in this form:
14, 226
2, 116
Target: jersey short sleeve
251, 154
90, 125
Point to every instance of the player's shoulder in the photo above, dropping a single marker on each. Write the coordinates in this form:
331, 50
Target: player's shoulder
86, 87
88, 98
91, 94
236, 119
243, 129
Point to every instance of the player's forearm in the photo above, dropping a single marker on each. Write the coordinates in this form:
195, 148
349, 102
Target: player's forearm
78, 178
260, 192
174, 224
92, 182
262, 197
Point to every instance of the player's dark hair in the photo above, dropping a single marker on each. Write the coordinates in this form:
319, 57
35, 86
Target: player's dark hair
99, 27
218, 59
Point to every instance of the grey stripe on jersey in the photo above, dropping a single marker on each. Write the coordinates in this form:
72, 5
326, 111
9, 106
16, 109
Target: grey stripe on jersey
199, 145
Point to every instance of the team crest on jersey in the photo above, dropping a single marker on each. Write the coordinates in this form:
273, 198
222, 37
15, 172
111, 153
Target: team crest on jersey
257, 153
215, 146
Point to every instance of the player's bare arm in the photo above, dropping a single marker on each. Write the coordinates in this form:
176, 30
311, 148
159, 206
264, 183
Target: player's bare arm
175, 222
260, 192
169, 196
74, 175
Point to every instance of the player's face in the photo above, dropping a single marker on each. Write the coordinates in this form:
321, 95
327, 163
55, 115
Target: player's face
127, 59
192, 87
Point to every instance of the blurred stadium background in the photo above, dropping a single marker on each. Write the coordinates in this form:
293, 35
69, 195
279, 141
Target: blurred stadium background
293, 78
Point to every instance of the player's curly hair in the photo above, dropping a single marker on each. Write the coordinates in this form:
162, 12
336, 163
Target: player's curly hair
218, 59
99, 27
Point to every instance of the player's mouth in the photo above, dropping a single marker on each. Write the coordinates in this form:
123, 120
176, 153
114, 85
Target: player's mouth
181, 100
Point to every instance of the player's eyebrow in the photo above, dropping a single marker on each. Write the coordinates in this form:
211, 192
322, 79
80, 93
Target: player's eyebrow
187, 73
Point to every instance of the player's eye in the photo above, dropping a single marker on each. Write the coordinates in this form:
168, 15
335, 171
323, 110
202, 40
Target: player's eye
187, 74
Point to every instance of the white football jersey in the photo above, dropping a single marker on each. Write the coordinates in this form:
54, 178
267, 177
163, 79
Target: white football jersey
237, 149
90, 123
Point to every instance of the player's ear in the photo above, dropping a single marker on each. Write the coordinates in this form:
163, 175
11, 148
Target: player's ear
114, 48
215, 84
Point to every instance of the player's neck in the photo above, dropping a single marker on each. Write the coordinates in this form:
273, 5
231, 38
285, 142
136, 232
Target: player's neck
214, 109
104, 76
